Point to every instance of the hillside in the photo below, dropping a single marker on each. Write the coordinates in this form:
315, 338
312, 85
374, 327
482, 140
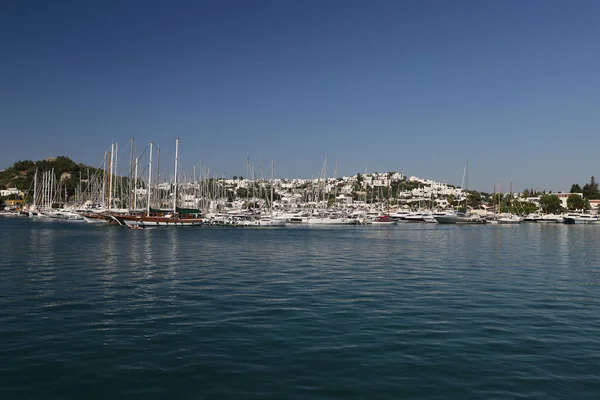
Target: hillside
67, 171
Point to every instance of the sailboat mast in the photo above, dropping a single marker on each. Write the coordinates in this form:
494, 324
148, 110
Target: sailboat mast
175, 179
499, 199
511, 200
158, 165
110, 169
115, 159
467, 187
272, 171
148, 188
35, 189
388, 196
195, 189
131, 201
103, 179
494, 197
135, 184
46, 189
52, 182
44, 185
325, 185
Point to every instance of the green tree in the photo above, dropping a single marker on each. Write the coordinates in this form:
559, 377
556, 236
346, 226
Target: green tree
496, 198
550, 203
23, 165
242, 192
474, 199
526, 208
359, 178
499, 201
590, 190
575, 188
575, 202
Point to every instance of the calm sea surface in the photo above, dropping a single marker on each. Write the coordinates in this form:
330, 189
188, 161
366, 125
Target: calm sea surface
410, 311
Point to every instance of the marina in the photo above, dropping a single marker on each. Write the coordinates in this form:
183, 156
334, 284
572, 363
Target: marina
372, 199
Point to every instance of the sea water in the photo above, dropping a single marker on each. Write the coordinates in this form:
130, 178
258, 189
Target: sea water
408, 311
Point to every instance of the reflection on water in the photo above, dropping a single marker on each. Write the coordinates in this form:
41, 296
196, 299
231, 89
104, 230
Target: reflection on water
108, 263
148, 247
175, 258
42, 262
135, 255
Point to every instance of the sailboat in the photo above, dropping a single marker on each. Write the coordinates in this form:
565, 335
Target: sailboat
510, 218
457, 217
34, 207
175, 217
267, 220
322, 217
385, 219
103, 215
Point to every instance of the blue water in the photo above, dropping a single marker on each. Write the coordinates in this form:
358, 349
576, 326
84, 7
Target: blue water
411, 311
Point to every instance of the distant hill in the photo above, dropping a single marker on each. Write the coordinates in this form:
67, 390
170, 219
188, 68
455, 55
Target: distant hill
21, 174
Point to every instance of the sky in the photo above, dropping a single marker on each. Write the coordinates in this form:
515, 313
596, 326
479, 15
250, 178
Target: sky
420, 87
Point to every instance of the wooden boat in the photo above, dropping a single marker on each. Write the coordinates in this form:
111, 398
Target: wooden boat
384, 220
159, 219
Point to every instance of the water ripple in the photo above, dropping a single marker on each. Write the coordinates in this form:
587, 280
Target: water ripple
415, 311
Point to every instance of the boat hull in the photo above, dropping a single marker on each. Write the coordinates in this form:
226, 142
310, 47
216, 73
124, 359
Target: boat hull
384, 222
446, 219
262, 222
159, 221
95, 219
330, 221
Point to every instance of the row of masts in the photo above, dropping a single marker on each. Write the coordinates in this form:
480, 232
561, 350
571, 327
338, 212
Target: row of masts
44, 198
110, 192
204, 189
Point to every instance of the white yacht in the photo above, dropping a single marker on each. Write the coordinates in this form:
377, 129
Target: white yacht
509, 219
400, 215
420, 216
457, 217
551, 218
542, 218
263, 221
577, 218
330, 220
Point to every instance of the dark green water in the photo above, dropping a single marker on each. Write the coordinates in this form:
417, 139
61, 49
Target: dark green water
412, 311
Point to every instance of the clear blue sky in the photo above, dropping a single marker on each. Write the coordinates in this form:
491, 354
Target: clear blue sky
411, 86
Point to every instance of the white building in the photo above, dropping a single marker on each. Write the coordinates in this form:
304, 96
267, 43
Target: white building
345, 200
564, 196
9, 192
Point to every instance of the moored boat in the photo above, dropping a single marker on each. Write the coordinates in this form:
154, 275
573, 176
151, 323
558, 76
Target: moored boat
158, 219
509, 219
576, 218
453, 217
420, 216
384, 220
96, 219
